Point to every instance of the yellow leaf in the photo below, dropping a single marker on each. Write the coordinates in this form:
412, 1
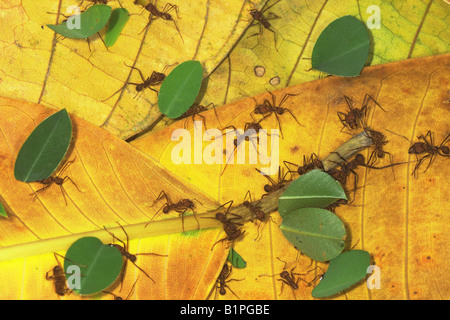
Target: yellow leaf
400, 220
112, 183
415, 29
40, 67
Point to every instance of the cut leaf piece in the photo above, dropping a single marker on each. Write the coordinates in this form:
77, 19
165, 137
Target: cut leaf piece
99, 264
344, 271
2, 211
117, 21
318, 233
236, 260
315, 189
342, 48
44, 149
91, 21
180, 89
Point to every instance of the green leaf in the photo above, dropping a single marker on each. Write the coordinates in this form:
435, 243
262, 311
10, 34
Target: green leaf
318, 233
344, 271
118, 20
3, 211
91, 21
342, 48
44, 149
315, 189
180, 89
100, 264
236, 260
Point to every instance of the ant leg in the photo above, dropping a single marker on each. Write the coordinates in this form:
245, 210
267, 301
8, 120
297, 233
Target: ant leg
265, 9
114, 237
140, 72
285, 109
68, 178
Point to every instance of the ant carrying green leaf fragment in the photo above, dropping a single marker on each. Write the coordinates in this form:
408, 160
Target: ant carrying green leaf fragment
98, 265
180, 89
342, 48
85, 24
44, 148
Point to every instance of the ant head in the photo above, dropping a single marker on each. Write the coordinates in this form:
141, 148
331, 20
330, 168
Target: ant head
166, 209
267, 188
166, 16
301, 170
359, 158
57, 269
220, 216
159, 76
246, 203
132, 258
445, 150
284, 274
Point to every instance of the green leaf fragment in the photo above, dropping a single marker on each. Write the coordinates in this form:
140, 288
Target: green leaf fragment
84, 25
344, 271
315, 189
318, 233
180, 89
3, 211
99, 264
236, 260
342, 48
44, 149
118, 20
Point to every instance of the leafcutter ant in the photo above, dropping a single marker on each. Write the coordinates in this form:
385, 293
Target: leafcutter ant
355, 118
255, 210
181, 207
127, 255
288, 277
164, 14
427, 148
349, 167
58, 180
231, 228
268, 108
194, 111
263, 20
379, 141
273, 186
222, 280
58, 276
313, 162
155, 79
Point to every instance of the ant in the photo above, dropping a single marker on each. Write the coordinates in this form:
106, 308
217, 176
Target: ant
268, 108
239, 138
351, 118
116, 297
222, 280
313, 162
263, 21
155, 79
47, 182
379, 140
155, 13
193, 111
348, 167
288, 277
231, 228
274, 186
59, 276
255, 210
181, 207
127, 255
427, 148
